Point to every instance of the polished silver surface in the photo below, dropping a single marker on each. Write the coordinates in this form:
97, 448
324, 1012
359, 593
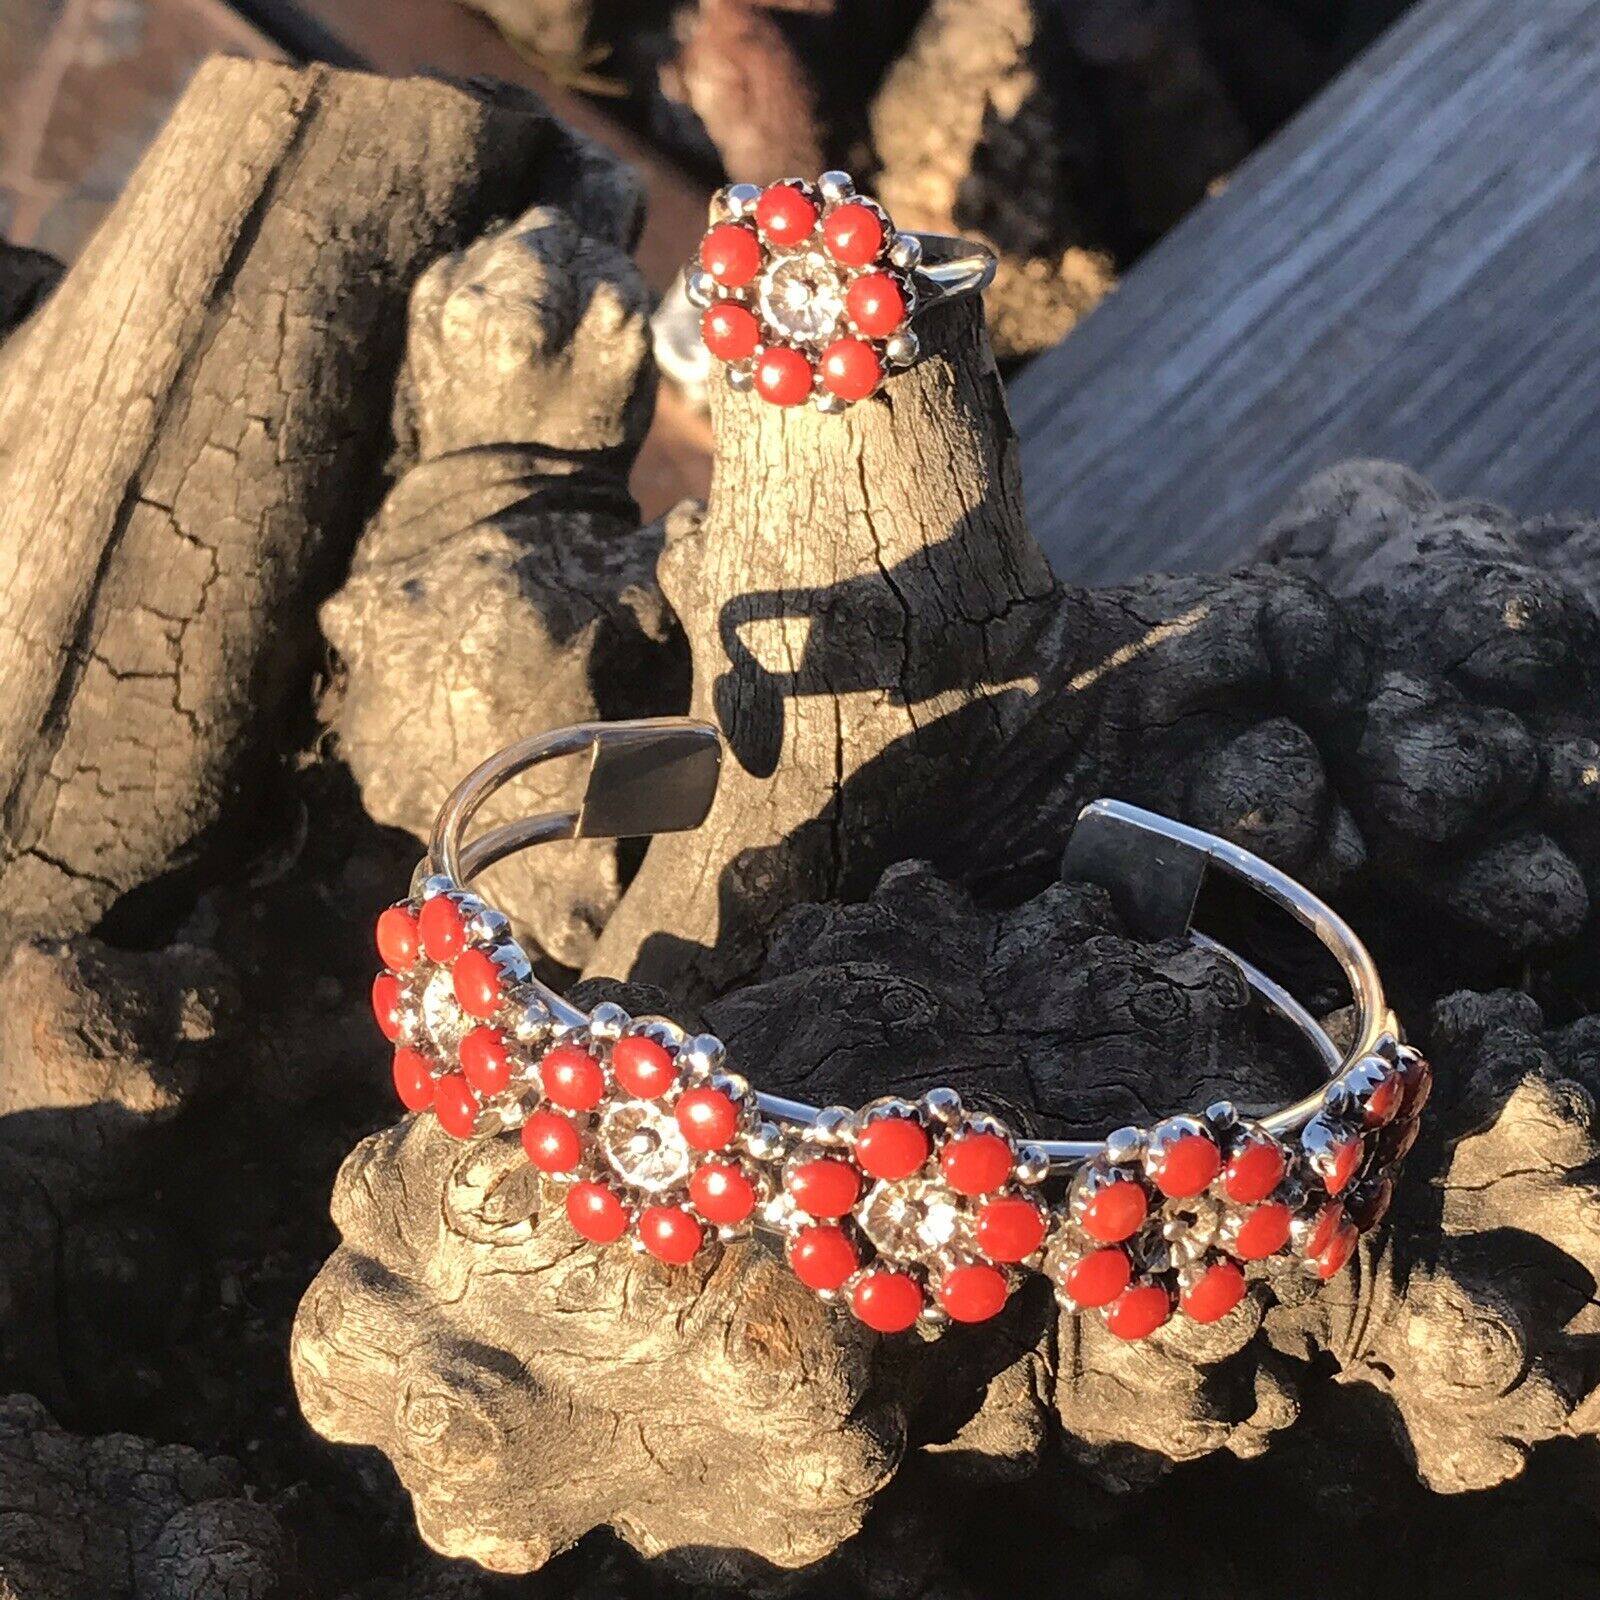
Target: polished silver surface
1154, 868
660, 775
648, 776
944, 266
653, 775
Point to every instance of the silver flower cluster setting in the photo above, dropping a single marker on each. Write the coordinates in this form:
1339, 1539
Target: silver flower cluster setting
909, 1213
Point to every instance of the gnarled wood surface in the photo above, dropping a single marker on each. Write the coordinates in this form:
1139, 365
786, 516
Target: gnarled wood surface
1400, 705
186, 1531
914, 710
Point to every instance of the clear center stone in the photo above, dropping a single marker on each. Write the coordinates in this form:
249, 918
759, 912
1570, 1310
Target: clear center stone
644, 1146
442, 1016
803, 297
914, 1219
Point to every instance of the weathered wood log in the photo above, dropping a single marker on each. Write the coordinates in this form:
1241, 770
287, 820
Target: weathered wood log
191, 432
527, 1387
824, 655
914, 686
1023, 1009
974, 132
670, 1369
898, 676
1402, 709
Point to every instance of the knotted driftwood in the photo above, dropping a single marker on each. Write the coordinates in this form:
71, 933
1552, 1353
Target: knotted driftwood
366, 326
1400, 707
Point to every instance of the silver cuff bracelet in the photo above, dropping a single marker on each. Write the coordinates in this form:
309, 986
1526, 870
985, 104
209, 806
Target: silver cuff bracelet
909, 1212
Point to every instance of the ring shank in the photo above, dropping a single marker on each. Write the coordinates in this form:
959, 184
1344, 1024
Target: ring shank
950, 266
660, 775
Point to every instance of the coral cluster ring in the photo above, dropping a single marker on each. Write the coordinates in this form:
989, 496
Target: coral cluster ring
911, 1213
807, 291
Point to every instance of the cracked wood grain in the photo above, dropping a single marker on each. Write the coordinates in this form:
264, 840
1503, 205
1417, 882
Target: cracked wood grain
847, 577
191, 433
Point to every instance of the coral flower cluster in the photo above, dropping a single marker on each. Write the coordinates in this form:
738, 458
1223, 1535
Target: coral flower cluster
806, 291
908, 1213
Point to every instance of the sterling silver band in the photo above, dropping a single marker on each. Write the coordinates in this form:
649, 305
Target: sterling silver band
950, 266
660, 776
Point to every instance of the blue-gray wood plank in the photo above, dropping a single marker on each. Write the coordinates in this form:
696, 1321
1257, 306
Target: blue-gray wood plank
1410, 269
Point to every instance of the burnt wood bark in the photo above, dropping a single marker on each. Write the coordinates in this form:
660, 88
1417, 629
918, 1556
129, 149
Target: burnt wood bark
191, 432
914, 710
104, 1051
121, 1518
26, 278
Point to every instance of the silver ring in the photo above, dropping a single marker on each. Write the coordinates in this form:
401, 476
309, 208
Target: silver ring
807, 291
911, 1212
